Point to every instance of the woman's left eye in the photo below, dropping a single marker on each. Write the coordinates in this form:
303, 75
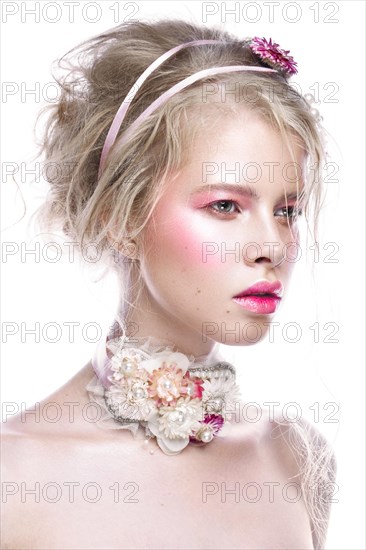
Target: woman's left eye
290, 212
222, 207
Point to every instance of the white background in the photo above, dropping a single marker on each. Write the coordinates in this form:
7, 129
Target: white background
316, 375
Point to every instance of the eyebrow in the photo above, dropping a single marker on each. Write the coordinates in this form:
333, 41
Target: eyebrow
244, 190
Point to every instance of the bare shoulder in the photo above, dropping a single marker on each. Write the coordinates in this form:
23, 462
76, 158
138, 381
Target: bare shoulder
35, 432
35, 445
309, 451
15, 451
304, 441
312, 458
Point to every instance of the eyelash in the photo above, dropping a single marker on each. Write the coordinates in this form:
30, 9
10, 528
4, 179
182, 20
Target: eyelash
292, 217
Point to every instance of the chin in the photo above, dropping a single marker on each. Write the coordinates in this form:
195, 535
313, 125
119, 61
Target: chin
230, 341
240, 333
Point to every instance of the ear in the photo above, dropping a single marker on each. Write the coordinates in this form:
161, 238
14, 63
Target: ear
128, 248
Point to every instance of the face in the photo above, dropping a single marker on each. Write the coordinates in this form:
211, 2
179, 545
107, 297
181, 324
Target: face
225, 222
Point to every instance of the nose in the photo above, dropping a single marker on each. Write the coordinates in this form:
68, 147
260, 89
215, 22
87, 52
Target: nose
269, 242
270, 252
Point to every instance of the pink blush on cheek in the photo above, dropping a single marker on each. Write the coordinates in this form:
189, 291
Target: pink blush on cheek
192, 242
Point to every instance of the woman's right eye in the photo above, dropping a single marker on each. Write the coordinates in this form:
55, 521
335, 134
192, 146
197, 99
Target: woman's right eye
222, 207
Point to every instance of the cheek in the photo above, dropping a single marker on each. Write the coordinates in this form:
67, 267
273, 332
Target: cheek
185, 239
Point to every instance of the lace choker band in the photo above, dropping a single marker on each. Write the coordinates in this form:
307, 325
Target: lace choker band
143, 385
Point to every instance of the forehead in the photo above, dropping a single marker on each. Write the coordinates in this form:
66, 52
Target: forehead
246, 149
244, 135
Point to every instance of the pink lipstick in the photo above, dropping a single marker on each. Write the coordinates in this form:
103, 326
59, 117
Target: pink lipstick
262, 297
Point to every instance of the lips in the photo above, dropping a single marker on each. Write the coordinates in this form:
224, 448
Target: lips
262, 298
263, 288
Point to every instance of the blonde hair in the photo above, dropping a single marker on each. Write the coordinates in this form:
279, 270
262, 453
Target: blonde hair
99, 74
316, 460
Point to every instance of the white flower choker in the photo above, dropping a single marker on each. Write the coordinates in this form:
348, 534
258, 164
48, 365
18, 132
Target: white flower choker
178, 400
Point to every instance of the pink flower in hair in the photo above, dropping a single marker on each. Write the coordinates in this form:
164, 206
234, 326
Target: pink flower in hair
273, 55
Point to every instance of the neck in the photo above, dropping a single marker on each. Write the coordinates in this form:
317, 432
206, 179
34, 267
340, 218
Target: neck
147, 319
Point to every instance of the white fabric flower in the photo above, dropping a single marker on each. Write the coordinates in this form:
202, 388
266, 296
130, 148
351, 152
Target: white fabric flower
131, 399
181, 420
172, 426
105, 419
219, 394
127, 363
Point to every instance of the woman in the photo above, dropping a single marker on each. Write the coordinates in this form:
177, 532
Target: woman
184, 157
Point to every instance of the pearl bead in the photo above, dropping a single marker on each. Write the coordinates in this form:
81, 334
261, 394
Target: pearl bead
167, 384
138, 393
179, 417
127, 366
207, 436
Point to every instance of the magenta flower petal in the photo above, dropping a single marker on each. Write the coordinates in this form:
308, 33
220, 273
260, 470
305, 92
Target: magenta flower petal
273, 55
215, 420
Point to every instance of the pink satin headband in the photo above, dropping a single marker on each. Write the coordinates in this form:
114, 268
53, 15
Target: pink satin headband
268, 51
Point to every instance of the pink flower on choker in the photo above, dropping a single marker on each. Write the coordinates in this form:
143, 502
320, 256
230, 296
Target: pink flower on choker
169, 382
273, 55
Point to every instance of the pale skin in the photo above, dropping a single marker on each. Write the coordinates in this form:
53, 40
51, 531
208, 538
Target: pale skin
179, 501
